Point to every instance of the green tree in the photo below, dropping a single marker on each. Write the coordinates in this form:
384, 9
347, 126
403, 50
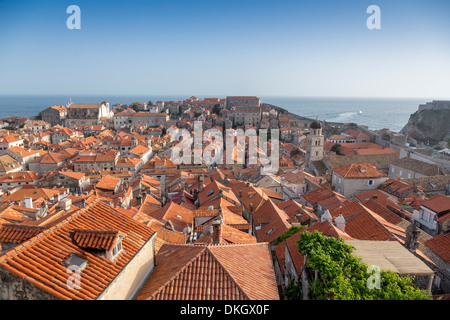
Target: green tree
343, 276
216, 109
336, 148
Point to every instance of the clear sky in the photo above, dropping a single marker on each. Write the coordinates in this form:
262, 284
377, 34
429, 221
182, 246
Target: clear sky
226, 47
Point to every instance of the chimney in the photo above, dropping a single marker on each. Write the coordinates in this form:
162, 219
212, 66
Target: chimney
163, 185
412, 235
340, 222
240, 193
374, 196
326, 216
200, 183
217, 231
65, 204
28, 202
251, 207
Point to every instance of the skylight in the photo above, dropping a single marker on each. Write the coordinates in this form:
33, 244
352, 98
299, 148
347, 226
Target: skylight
74, 260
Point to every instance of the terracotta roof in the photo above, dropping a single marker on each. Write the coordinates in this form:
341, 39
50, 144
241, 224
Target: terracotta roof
95, 239
25, 176
74, 175
317, 195
274, 219
178, 215
355, 133
34, 193
440, 245
108, 182
220, 272
228, 234
439, 204
359, 170
362, 224
85, 105
18, 233
40, 260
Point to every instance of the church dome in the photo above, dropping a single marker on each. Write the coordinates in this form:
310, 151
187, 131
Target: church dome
315, 125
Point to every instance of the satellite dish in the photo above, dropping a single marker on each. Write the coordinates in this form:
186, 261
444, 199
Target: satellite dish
208, 230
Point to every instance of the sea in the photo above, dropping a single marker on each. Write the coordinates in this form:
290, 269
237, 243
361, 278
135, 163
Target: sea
376, 113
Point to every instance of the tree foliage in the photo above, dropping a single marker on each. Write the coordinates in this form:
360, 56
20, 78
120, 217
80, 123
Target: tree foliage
286, 235
216, 109
336, 148
343, 276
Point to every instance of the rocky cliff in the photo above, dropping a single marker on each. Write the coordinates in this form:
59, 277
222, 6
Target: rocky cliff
428, 125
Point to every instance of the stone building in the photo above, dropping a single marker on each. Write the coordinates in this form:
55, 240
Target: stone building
357, 178
92, 161
314, 145
55, 115
86, 114
242, 101
250, 115
149, 119
409, 168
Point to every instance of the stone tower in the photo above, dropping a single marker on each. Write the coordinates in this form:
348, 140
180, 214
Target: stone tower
148, 142
314, 144
134, 142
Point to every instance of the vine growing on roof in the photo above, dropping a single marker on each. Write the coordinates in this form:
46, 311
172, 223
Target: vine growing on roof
343, 276
292, 230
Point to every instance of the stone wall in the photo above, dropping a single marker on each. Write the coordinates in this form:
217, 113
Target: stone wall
14, 288
444, 269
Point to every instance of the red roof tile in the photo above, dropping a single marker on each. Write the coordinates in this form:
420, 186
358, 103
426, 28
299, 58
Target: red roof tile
220, 272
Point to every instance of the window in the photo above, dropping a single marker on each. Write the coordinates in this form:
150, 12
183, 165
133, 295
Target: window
268, 232
392, 170
210, 192
370, 182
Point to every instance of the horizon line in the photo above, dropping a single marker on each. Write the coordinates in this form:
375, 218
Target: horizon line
221, 95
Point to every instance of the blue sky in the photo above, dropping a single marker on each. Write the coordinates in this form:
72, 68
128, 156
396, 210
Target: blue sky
216, 47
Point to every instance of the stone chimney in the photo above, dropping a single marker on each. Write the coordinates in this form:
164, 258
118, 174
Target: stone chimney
65, 204
163, 185
412, 235
340, 222
217, 231
200, 183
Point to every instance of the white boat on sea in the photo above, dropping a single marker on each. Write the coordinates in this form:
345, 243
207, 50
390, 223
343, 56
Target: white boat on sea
359, 112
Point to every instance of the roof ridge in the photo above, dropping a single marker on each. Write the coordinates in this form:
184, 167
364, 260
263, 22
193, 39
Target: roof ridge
377, 219
179, 271
226, 271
